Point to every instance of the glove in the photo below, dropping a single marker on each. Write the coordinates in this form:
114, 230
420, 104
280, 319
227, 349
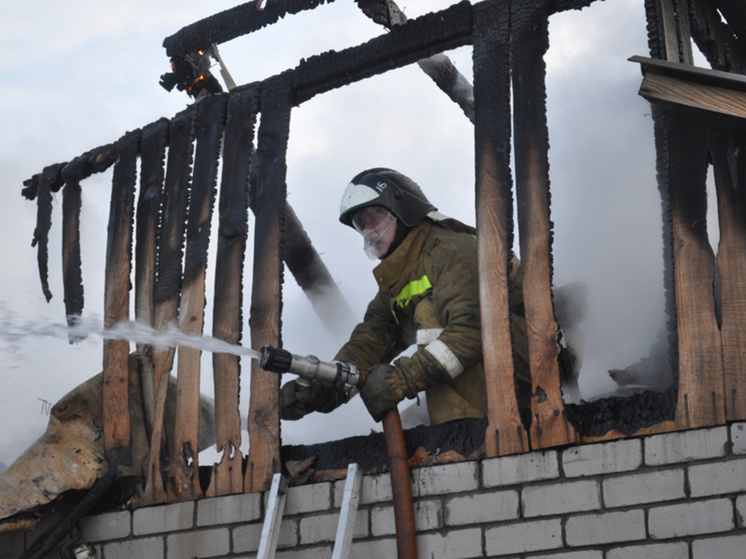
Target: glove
385, 387
298, 401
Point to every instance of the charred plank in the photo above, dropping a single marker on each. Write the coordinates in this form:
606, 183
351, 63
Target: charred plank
417, 39
117, 429
233, 208
183, 477
266, 297
41, 187
494, 206
233, 23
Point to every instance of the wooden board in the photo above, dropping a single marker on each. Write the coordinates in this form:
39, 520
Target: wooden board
168, 282
658, 87
266, 298
700, 400
549, 426
72, 276
494, 205
727, 150
116, 411
183, 477
153, 153
227, 476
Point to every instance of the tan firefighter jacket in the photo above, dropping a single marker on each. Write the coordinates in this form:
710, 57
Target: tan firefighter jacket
428, 295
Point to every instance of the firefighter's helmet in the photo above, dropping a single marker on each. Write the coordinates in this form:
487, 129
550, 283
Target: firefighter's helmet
389, 189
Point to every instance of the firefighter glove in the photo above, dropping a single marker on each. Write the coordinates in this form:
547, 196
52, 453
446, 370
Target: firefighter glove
384, 388
297, 401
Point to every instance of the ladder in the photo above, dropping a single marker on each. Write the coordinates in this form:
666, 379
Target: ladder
347, 514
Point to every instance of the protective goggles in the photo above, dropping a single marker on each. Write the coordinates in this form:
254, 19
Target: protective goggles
374, 219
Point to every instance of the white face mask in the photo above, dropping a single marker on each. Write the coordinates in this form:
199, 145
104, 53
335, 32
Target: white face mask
374, 223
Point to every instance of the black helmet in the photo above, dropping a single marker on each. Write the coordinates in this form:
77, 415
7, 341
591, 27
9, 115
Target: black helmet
389, 189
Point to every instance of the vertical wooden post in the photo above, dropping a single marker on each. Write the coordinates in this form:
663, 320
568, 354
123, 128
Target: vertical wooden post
266, 298
153, 153
494, 206
227, 476
183, 478
168, 281
700, 400
549, 426
727, 147
116, 412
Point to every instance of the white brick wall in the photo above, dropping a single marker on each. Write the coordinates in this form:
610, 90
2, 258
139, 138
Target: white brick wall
671, 496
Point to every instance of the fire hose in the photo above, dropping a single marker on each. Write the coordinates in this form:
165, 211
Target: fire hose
346, 375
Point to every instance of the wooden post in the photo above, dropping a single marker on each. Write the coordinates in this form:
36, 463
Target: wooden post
183, 478
494, 205
700, 400
266, 297
727, 147
153, 153
117, 429
168, 284
549, 426
227, 476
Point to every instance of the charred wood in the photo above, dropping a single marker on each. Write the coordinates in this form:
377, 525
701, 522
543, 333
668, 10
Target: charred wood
419, 38
438, 67
233, 23
233, 207
117, 429
723, 49
41, 187
183, 480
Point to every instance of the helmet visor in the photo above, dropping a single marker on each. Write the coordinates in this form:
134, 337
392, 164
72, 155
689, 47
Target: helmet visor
375, 219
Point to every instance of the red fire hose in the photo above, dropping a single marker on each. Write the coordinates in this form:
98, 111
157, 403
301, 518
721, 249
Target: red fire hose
401, 486
310, 368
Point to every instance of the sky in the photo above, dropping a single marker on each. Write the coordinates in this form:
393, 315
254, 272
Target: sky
82, 73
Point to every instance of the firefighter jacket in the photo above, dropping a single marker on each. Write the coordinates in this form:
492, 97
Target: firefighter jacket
429, 296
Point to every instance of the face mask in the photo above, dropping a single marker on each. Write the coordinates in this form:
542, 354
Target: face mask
374, 223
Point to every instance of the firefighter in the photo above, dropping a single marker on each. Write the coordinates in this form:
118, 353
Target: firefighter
427, 295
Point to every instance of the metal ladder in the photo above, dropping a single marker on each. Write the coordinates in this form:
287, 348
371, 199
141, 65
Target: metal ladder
347, 514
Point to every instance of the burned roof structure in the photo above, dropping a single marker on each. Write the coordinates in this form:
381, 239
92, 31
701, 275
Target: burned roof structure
698, 121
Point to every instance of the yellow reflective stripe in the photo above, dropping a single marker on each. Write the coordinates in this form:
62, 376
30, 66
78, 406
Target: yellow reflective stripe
412, 289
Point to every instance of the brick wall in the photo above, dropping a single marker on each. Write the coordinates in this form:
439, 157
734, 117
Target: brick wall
676, 495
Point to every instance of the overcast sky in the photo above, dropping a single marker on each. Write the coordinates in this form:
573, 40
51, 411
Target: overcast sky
80, 74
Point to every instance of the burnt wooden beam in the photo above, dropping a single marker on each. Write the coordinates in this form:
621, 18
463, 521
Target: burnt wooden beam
494, 206
167, 287
153, 153
41, 187
232, 23
116, 410
72, 276
723, 48
530, 41
81, 167
438, 66
417, 39
266, 298
734, 12
227, 476
729, 164
183, 478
